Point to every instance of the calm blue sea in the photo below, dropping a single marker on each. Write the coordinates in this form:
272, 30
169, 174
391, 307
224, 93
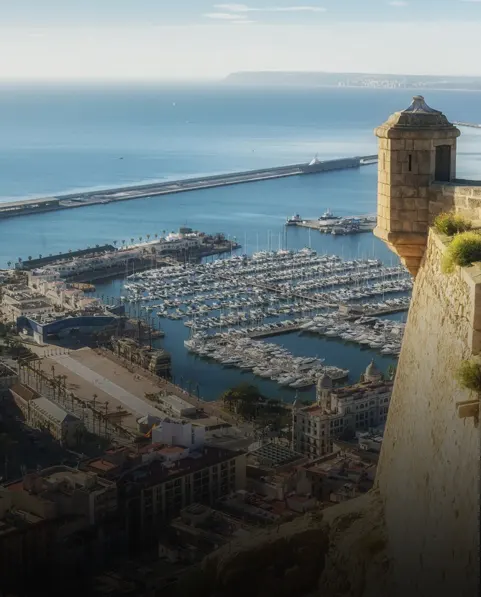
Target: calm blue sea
57, 140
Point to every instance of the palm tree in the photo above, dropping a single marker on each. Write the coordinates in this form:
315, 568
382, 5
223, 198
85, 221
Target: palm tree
114, 243
30, 258
20, 260
9, 263
132, 241
123, 242
148, 236
156, 235
40, 256
140, 238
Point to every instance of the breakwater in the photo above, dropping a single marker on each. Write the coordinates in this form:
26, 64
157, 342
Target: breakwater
75, 200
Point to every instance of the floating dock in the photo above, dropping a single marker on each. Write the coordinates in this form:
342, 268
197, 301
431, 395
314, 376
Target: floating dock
70, 201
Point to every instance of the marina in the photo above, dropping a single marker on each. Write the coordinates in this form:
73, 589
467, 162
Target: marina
232, 305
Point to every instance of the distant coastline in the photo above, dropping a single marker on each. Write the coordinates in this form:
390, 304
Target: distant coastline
353, 81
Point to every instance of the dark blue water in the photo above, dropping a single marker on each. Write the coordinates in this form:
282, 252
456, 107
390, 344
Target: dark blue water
56, 140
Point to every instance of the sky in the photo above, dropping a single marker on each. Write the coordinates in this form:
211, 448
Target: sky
201, 39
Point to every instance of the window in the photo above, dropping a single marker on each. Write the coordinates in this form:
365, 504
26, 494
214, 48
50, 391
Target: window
443, 163
410, 162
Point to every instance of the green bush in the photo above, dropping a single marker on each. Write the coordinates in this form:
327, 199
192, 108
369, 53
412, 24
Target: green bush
465, 249
451, 224
469, 375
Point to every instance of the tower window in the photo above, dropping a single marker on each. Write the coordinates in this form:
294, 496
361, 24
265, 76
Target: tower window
410, 161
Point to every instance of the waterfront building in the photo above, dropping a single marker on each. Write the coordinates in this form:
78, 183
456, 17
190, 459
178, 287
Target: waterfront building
18, 300
339, 413
41, 413
155, 360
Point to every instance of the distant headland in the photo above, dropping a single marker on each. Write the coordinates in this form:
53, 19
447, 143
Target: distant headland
376, 81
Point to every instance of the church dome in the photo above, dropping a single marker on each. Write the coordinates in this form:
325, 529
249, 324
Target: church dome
372, 372
324, 383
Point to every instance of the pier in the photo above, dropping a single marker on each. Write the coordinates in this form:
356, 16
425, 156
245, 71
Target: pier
75, 200
342, 226
470, 125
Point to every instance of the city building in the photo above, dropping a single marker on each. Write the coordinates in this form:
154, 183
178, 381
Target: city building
339, 413
155, 360
198, 531
51, 522
47, 306
19, 300
177, 406
43, 414
171, 478
338, 476
175, 432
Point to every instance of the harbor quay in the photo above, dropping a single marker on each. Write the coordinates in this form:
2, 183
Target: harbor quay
75, 200
123, 257
113, 394
330, 223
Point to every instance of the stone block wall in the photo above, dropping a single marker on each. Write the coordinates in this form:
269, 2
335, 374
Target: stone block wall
464, 197
429, 470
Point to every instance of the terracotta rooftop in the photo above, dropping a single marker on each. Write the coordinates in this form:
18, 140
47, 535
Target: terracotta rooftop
172, 450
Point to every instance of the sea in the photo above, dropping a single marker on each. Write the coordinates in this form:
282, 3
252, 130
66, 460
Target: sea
60, 139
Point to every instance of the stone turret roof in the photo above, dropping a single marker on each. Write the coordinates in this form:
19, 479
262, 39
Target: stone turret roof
419, 114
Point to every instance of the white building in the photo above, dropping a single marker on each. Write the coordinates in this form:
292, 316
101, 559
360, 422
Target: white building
177, 406
174, 432
340, 412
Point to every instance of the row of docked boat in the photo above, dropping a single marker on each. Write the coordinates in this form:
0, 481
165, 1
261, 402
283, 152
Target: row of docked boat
297, 272
382, 335
268, 361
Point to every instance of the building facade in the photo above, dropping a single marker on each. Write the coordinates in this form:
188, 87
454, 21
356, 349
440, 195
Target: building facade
157, 490
340, 413
43, 414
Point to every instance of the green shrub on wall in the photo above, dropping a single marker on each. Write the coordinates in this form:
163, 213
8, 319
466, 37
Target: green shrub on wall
464, 249
451, 224
469, 375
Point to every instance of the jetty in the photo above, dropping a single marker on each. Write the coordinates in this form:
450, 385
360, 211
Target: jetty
342, 226
110, 195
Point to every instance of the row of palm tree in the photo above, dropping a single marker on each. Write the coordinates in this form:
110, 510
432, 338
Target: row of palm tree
115, 243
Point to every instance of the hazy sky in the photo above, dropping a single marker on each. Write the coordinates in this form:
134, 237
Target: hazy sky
180, 39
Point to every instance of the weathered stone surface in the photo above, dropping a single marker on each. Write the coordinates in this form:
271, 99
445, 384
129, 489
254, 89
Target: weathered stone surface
429, 468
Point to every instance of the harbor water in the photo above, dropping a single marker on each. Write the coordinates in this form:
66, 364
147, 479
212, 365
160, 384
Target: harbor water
57, 140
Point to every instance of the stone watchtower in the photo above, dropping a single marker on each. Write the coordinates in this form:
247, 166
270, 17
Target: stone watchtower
417, 147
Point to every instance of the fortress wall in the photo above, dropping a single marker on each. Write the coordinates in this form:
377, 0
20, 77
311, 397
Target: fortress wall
462, 196
429, 471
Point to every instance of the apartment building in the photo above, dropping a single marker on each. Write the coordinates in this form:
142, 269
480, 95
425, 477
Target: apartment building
340, 412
